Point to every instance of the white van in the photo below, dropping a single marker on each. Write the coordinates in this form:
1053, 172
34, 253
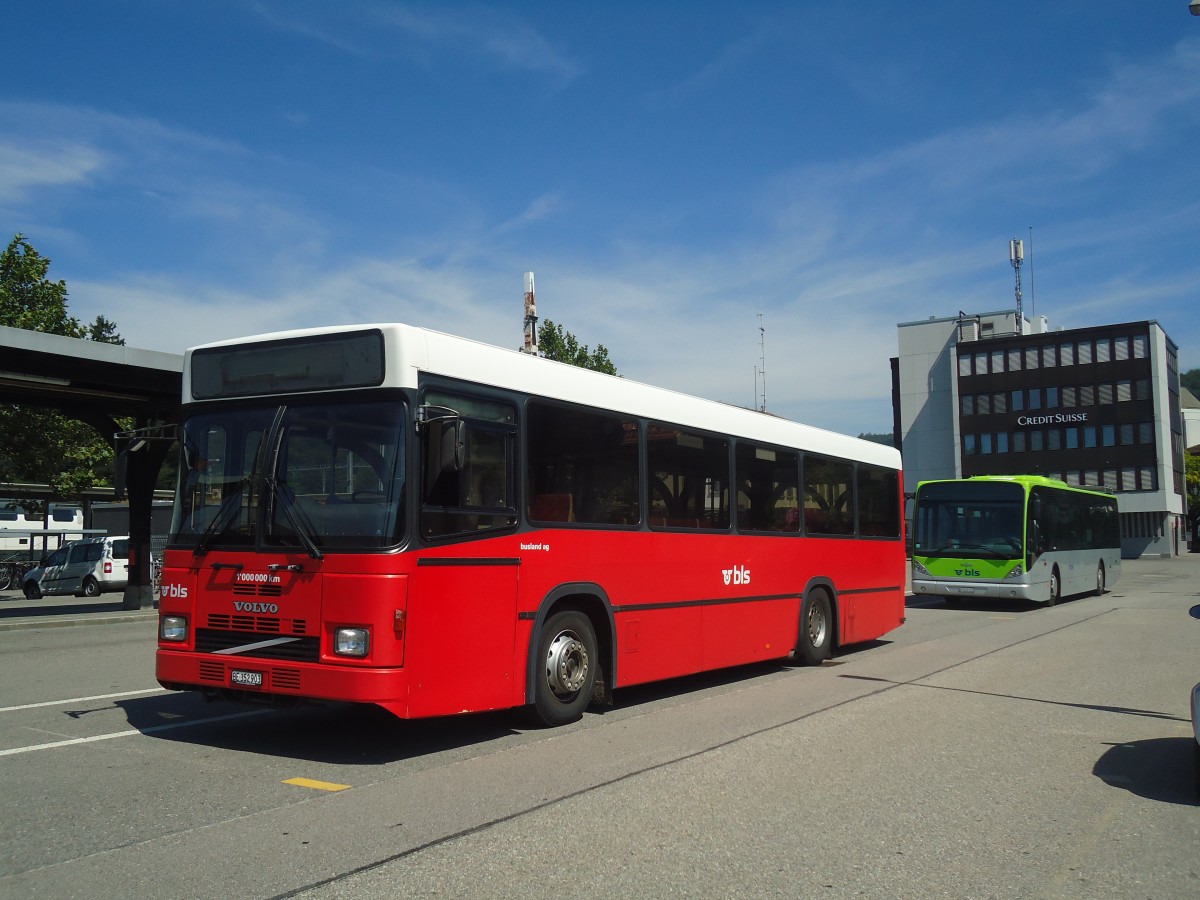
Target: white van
83, 568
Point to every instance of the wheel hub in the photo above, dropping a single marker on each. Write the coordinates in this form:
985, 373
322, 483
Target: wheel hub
566, 664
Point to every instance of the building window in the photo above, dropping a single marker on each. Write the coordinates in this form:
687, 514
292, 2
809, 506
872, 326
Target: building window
1053, 439
1018, 400
1124, 391
964, 364
1141, 347
1035, 440
1142, 389
1073, 477
983, 404
1087, 395
1103, 350
1018, 442
968, 445
981, 364
1002, 442
1031, 357
1105, 394
1072, 435
1110, 479
985, 444
1146, 478
1121, 348
1035, 398
1014, 360
999, 403
1126, 435
968, 404
1145, 432
1051, 398
1084, 352
1048, 357
1129, 479
1070, 396
997, 360
1109, 435
1066, 354
1089, 436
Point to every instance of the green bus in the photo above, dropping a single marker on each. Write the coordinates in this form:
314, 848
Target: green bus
1013, 537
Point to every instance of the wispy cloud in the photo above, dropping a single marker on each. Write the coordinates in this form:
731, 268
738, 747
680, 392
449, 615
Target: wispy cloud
385, 30
28, 166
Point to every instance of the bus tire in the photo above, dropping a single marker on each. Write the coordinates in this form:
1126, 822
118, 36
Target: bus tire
1055, 587
816, 629
1100, 580
567, 657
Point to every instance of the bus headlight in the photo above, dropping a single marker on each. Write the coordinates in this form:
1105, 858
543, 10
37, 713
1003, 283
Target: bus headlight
919, 569
351, 642
1017, 571
172, 628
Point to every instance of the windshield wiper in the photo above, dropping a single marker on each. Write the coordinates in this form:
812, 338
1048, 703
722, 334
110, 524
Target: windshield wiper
224, 517
299, 521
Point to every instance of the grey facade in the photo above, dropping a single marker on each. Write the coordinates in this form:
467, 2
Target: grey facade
1099, 407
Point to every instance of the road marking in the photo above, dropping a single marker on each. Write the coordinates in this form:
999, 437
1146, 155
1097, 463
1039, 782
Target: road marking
4, 709
153, 729
316, 785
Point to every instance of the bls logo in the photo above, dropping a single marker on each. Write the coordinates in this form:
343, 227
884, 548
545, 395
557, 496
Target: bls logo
736, 575
970, 573
174, 590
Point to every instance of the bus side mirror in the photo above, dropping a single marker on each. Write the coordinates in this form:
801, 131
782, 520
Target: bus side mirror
451, 438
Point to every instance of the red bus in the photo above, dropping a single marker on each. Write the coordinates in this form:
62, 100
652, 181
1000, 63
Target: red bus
385, 514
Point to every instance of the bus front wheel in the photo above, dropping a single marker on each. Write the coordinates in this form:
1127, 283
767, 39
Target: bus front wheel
1055, 588
566, 669
1100, 580
816, 629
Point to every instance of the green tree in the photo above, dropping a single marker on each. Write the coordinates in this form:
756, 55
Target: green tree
554, 342
42, 446
1191, 380
878, 438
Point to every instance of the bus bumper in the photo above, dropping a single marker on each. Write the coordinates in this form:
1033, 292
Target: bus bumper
994, 590
280, 682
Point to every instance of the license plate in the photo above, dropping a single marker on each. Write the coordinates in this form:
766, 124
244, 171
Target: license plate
246, 679
965, 590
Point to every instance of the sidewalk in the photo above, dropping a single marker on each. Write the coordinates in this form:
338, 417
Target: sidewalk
56, 612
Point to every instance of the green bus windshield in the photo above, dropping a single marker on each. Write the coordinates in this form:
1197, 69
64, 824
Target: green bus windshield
970, 520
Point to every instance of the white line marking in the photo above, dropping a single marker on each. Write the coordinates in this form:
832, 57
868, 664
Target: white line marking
4, 709
118, 734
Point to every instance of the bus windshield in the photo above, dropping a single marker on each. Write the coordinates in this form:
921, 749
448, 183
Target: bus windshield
970, 520
309, 478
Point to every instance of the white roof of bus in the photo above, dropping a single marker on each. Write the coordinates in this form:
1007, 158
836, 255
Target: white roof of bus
422, 350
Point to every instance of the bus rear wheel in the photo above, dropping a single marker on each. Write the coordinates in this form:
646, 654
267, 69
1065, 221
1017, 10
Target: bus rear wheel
1100, 580
566, 669
816, 629
1055, 588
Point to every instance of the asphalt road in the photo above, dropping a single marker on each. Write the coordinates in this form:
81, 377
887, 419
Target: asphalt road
979, 751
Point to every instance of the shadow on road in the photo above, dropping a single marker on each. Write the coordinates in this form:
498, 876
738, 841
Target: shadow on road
360, 734
1158, 769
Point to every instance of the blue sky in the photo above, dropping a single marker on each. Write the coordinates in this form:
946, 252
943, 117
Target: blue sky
669, 171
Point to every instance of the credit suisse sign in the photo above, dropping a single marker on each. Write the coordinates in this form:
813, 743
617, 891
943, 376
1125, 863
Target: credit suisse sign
1053, 419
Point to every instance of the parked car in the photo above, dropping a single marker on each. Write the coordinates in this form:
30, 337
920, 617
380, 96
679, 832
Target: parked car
84, 568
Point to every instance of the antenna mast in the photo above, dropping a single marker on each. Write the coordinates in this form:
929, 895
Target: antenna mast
1016, 256
531, 345
762, 363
